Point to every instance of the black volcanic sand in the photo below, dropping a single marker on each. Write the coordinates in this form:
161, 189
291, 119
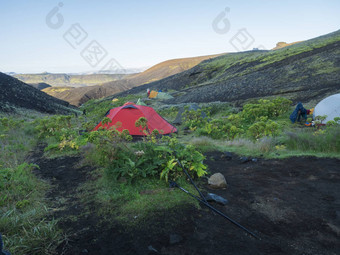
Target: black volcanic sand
291, 204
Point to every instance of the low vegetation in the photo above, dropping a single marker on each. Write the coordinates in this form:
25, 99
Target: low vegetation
131, 177
22, 205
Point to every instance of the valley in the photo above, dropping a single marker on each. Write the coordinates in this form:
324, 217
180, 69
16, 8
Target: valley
224, 145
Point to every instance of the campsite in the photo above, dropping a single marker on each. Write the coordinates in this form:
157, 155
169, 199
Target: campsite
171, 128
122, 207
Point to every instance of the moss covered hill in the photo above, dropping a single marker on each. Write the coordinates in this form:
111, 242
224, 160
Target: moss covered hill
303, 71
79, 96
67, 80
16, 94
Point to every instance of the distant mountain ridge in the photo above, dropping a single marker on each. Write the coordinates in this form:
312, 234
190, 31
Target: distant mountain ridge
68, 80
164, 69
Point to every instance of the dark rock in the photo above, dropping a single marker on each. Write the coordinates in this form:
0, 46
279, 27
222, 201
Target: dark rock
216, 198
244, 160
227, 155
150, 248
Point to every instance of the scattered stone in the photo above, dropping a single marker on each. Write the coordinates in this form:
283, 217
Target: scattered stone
217, 181
244, 160
150, 248
254, 160
216, 198
174, 238
85, 251
227, 155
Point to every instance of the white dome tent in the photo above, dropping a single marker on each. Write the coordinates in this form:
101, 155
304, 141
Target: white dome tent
329, 106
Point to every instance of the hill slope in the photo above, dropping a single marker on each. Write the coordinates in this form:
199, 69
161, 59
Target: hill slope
17, 94
302, 72
79, 96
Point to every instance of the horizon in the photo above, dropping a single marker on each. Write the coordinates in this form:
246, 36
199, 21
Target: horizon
87, 36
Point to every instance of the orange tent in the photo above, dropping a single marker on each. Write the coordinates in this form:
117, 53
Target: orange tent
153, 94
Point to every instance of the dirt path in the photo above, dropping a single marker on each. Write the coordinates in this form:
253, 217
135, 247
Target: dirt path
293, 205
83, 228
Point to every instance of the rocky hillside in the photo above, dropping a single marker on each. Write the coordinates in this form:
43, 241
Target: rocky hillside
16, 94
302, 72
79, 96
68, 80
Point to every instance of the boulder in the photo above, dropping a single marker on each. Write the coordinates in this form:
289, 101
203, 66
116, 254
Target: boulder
217, 181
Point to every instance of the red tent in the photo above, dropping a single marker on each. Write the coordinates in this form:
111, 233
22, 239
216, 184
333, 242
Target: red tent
129, 113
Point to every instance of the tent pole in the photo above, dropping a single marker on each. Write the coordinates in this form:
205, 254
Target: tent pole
174, 184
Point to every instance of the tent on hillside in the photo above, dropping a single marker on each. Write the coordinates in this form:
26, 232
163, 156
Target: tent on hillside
140, 102
160, 95
163, 95
329, 106
153, 94
129, 113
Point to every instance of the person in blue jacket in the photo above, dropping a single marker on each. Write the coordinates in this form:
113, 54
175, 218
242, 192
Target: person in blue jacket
299, 114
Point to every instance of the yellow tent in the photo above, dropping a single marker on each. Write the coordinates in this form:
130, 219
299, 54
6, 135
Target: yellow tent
153, 94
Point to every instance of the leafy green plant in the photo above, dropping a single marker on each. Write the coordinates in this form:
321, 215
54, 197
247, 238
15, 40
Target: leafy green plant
193, 119
256, 120
265, 108
263, 128
319, 119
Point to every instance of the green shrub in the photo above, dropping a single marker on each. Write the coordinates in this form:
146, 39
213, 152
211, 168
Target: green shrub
265, 108
256, 120
263, 128
193, 119
151, 157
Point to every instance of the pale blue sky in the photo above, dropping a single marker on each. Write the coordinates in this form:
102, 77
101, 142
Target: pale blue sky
144, 33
